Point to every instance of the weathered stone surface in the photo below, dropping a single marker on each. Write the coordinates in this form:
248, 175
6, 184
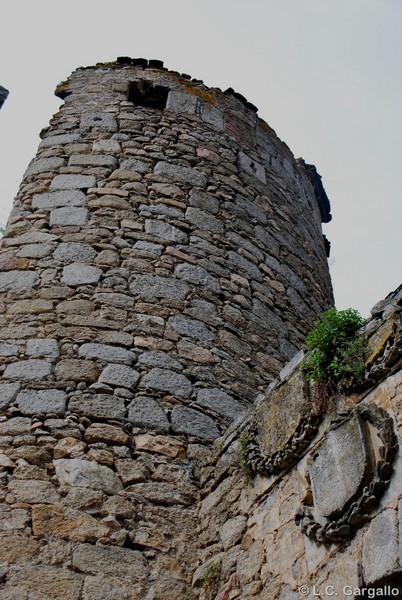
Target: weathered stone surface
59, 140
338, 467
33, 491
159, 444
34, 307
164, 230
251, 167
179, 102
98, 406
106, 146
187, 349
74, 252
220, 402
35, 250
92, 160
165, 494
145, 412
212, 116
133, 164
197, 275
75, 472
17, 281
44, 582
111, 354
204, 201
28, 370
100, 120
74, 215
192, 328
110, 560
31, 402
17, 548
101, 587
69, 447
58, 199
73, 182
167, 381
43, 347
246, 266
80, 274
159, 359
278, 415
232, 531
380, 547
66, 523
73, 369
44, 164
9, 350
150, 287
120, 375
103, 432
203, 220
192, 422
15, 426
178, 173
131, 471
8, 393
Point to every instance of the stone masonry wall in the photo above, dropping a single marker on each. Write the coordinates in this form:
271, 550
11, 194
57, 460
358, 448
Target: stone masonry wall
164, 259
250, 542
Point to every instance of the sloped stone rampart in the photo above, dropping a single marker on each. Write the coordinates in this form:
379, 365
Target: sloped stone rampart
251, 543
159, 267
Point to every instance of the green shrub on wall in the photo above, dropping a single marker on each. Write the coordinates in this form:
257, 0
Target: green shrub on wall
337, 353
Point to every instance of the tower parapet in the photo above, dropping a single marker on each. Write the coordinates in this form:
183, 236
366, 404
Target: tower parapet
3, 95
164, 259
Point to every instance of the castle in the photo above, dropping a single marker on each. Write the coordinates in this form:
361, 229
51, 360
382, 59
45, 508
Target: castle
162, 264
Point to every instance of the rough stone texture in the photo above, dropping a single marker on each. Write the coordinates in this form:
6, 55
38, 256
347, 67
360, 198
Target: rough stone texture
28, 370
192, 422
380, 547
167, 381
80, 274
159, 268
32, 402
8, 393
220, 402
120, 375
338, 468
82, 473
106, 353
145, 412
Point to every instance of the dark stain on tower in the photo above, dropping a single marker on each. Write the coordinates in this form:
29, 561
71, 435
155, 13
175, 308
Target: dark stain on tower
163, 260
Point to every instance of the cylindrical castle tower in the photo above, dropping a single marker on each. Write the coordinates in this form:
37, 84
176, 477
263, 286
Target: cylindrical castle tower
163, 260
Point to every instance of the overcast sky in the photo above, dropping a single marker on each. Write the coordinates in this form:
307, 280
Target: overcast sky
325, 75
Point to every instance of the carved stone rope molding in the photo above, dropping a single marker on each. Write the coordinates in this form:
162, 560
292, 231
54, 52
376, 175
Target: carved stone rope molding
343, 528
289, 455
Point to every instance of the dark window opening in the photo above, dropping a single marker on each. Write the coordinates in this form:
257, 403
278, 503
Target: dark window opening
145, 93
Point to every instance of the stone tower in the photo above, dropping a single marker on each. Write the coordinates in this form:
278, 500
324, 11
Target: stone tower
163, 260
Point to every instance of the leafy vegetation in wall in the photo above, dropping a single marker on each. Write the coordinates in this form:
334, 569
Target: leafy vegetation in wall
337, 352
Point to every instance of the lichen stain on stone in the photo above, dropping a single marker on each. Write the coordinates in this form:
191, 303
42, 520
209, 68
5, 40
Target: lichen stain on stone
378, 341
279, 415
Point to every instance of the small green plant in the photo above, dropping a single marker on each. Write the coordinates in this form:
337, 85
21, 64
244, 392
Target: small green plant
244, 465
337, 353
212, 572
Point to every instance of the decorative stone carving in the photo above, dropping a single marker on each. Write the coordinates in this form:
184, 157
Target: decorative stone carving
349, 472
286, 422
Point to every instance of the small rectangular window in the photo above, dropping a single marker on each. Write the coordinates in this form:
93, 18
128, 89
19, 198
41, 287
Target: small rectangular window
145, 93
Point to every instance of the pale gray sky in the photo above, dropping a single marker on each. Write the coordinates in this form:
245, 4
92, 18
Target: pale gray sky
325, 75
